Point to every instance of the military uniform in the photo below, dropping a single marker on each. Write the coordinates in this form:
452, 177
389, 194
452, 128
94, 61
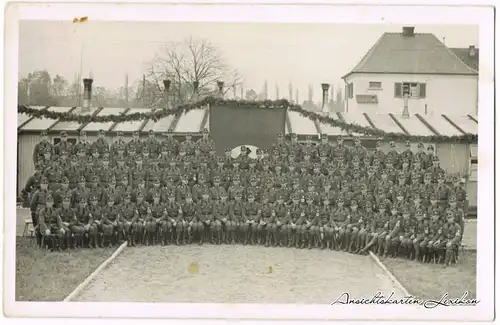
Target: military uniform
51, 225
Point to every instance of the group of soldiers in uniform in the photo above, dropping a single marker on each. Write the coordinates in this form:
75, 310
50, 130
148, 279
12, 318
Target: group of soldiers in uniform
295, 194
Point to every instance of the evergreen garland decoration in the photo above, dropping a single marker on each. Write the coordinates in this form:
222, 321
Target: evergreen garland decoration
157, 114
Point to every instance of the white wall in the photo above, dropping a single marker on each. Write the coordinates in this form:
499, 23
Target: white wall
445, 94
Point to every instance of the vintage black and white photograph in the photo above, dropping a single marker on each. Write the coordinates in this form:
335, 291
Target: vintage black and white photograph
252, 163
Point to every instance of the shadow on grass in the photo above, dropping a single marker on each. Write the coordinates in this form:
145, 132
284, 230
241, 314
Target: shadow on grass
432, 281
46, 276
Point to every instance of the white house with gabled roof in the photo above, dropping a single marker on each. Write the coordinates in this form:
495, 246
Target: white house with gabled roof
421, 68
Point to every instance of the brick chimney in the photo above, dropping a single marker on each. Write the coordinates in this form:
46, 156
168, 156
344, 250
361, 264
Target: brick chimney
472, 51
87, 94
166, 93
408, 31
220, 87
324, 103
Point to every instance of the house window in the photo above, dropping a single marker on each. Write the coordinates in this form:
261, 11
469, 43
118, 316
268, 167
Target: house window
412, 89
375, 85
473, 163
349, 89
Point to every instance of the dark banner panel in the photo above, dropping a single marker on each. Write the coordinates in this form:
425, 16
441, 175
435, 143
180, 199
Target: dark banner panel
240, 125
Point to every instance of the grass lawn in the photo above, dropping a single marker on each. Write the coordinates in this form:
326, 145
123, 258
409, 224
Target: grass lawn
431, 281
46, 276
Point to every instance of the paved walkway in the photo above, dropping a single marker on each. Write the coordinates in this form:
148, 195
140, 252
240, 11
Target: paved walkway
236, 274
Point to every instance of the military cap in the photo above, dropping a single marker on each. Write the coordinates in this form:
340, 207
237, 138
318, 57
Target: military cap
132, 149
354, 203
67, 198
435, 158
294, 135
43, 133
420, 145
82, 179
355, 159
280, 134
449, 212
105, 158
93, 198
65, 180
324, 136
45, 180
368, 203
430, 147
138, 158
415, 176
48, 150
407, 143
392, 144
379, 143
185, 176
49, 198
238, 194
119, 133
140, 195
127, 196
363, 186
83, 133
452, 198
405, 209
63, 134
135, 133
435, 211
112, 179
357, 139
251, 195
419, 212
94, 179
156, 194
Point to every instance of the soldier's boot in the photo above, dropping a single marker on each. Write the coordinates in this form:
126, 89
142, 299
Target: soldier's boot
120, 237
95, 241
309, 239
417, 253
202, 236
129, 240
268, 239
302, 240
164, 237
245, 237
153, 237
178, 236
67, 242
447, 258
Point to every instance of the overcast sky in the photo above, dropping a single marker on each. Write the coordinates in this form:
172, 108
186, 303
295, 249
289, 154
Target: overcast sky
280, 53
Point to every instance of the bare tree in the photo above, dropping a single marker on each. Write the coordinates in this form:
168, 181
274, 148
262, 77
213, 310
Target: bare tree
183, 63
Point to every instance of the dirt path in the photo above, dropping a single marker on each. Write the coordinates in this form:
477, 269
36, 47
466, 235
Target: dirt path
237, 274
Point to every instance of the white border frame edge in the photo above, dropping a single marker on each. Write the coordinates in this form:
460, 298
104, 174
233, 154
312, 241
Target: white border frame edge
482, 16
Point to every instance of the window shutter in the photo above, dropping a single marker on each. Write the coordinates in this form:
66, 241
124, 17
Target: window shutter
352, 90
398, 90
422, 90
347, 91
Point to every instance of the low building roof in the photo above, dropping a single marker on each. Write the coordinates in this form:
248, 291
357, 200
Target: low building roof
196, 120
